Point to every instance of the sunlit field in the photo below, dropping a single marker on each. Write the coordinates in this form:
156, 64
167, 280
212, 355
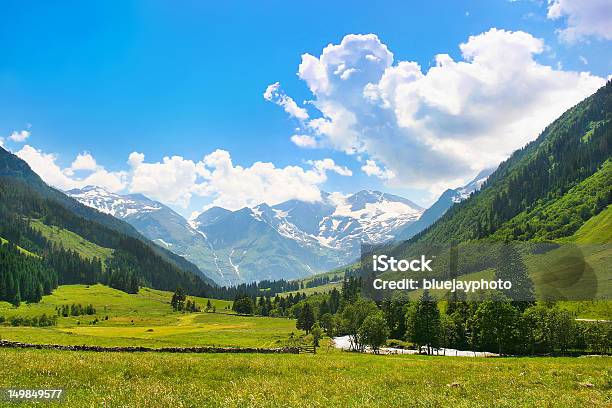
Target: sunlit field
329, 378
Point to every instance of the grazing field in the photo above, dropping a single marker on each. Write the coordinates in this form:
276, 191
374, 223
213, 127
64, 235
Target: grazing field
68, 239
327, 379
143, 319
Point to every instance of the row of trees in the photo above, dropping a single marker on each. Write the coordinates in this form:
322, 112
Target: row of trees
501, 326
75, 309
279, 306
35, 321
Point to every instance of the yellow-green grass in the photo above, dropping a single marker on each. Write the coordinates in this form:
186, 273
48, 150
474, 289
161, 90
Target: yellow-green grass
20, 249
70, 240
328, 379
597, 230
143, 319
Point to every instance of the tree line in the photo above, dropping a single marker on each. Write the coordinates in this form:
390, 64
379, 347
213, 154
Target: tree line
496, 324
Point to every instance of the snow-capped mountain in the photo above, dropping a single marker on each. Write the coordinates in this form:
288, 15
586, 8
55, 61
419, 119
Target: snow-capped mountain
114, 204
442, 204
461, 193
298, 238
289, 240
155, 221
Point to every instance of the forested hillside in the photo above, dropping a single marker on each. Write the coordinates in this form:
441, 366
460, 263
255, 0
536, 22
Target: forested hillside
13, 168
27, 205
133, 261
546, 190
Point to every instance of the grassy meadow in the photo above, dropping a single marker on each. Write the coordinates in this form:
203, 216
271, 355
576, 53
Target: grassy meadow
68, 239
329, 378
143, 319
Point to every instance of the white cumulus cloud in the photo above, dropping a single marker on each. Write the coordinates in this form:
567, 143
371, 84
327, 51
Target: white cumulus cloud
437, 128
234, 186
585, 18
371, 168
173, 180
45, 165
84, 161
305, 141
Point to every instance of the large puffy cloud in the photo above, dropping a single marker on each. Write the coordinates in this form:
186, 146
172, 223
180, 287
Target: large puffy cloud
172, 180
45, 165
585, 18
84, 161
233, 186
437, 128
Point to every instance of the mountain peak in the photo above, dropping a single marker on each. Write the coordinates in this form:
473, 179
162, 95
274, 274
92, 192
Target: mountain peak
112, 203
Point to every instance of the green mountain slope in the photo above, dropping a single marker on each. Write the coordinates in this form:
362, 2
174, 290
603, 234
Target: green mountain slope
526, 186
13, 168
75, 249
551, 219
70, 240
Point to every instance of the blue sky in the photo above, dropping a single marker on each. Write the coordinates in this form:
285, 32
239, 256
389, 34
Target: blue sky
163, 79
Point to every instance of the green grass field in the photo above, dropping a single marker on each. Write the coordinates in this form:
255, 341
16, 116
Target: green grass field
328, 379
143, 319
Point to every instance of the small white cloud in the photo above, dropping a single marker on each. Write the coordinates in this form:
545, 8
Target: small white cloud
19, 136
84, 161
275, 94
305, 141
329, 165
372, 169
583, 60
585, 18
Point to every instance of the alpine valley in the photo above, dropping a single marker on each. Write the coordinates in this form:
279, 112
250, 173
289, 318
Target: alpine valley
289, 240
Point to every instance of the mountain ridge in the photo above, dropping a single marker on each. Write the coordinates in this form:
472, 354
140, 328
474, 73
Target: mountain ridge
285, 241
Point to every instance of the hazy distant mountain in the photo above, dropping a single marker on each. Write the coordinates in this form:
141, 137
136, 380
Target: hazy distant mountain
289, 240
442, 204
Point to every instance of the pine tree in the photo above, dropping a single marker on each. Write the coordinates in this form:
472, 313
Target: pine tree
306, 318
511, 267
